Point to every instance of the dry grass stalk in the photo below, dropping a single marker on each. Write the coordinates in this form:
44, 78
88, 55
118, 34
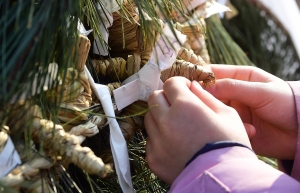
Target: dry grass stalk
189, 71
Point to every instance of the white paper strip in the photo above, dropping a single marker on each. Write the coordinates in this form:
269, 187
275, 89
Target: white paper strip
82, 29
222, 2
99, 47
167, 47
9, 158
140, 85
111, 5
216, 8
117, 141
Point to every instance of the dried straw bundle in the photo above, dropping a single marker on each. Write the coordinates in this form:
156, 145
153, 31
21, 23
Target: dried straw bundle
122, 34
135, 37
189, 71
193, 25
59, 143
187, 61
190, 56
113, 69
83, 49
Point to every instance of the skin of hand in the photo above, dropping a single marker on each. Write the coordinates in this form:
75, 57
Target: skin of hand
185, 119
265, 104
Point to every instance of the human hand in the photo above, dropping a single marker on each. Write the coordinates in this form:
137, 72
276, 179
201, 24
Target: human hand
185, 119
265, 104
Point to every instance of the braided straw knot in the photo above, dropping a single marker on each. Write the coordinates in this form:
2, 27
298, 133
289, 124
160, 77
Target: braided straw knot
28, 175
59, 143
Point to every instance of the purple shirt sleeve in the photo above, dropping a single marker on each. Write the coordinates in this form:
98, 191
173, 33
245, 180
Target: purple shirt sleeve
295, 85
232, 169
237, 169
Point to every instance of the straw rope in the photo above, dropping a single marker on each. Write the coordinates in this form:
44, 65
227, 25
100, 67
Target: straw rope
190, 71
195, 31
190, 56
60, 143
124, 29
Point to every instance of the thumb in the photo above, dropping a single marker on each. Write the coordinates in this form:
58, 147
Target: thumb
205, 96
238, 90
250, 129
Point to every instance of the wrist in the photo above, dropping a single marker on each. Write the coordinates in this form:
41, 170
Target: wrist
214, 146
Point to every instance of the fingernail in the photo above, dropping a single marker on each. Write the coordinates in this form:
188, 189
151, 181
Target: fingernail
196, 83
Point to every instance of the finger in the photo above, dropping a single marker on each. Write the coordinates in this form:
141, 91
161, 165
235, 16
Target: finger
243, 111
206, 97
242, 91
247, 73
176, 88
149, 147
250, 129
160, 105
151, 126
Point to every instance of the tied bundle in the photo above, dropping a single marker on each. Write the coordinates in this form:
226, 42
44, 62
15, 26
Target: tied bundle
193, 25
130, 35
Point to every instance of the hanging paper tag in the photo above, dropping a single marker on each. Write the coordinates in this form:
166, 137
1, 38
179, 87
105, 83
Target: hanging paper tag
82, 29
106, 21
9, 158
216, 8
140, 85
167, 47
222, 2
112, 6
146, 82
117, 141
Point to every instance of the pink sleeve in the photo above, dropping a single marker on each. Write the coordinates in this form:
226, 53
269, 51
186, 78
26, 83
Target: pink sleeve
295, 85
232, 169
